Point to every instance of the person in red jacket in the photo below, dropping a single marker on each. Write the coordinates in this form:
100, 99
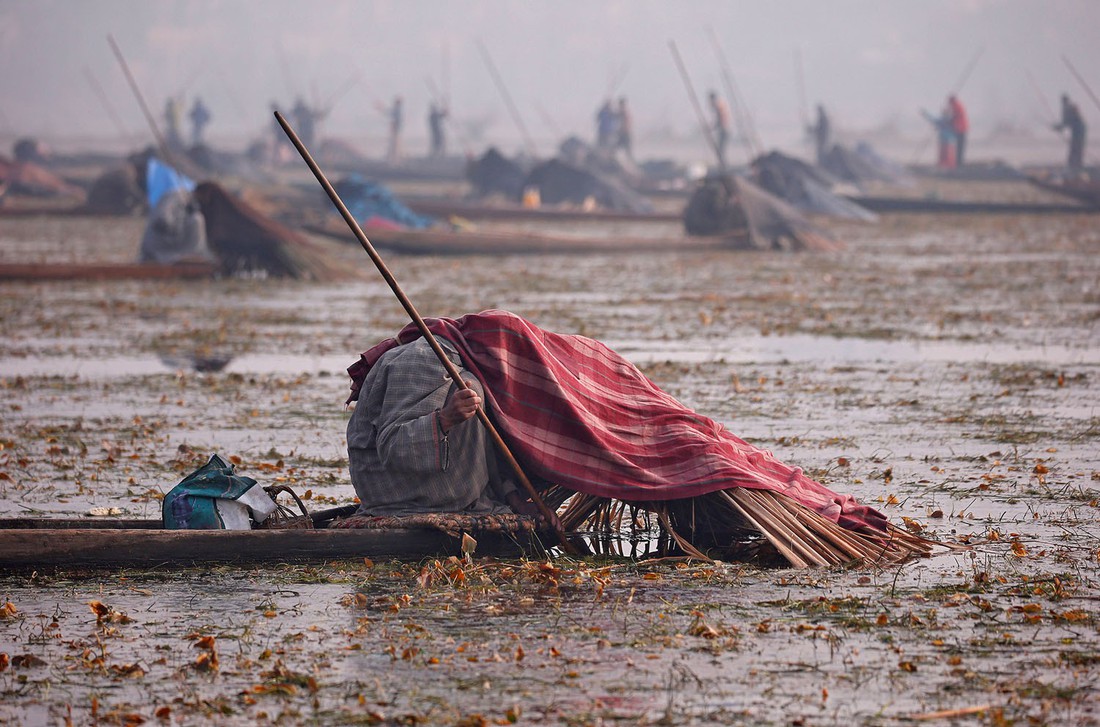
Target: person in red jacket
960, 125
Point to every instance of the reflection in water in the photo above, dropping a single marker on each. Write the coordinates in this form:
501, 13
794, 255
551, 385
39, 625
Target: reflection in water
204, 363
831, 349
742, 349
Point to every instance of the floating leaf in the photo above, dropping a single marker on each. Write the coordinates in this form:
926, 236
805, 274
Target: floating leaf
469, 544
129, 670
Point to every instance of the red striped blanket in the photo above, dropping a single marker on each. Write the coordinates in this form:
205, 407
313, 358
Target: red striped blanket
576, 413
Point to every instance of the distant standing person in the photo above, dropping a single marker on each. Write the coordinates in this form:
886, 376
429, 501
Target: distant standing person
1072, 120
626, 129
200, 117
607, 125
822, 131
436, 115
306, 120
945, 134
721, 125
172, 123
960, 124
396, 115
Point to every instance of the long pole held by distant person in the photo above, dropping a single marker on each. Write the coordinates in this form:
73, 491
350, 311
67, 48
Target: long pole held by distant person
424, 330
161, 144
800, 83
1081, 80
955, 90
106, 103
745, 125
695, 103
527, 140
1051, 116
958, 87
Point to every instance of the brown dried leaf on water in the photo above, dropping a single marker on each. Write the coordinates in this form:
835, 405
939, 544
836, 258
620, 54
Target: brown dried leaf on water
163, 713
27, 661
701, 627
276, 688
907, 666
5, 661
1074, 615
128, 670
106, 614
469, 544
8, 610
207, 643
206, 661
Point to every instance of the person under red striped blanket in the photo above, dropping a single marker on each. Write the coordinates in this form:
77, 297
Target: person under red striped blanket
577, 414
414, 447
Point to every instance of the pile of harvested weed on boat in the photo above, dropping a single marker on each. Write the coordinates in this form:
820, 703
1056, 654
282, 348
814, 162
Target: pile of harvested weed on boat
944, 370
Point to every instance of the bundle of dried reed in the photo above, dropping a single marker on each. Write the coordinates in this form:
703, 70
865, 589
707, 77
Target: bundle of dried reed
738, 523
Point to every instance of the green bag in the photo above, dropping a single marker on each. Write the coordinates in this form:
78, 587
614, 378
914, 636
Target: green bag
214, 498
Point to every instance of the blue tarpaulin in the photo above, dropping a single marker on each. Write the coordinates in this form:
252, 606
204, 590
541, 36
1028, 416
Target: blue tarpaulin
161, 179
366, 199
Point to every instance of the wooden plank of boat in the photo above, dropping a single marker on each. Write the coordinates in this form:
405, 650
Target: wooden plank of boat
941, 206
106, 271
447, 242
1085, 191
474, 211
135, 544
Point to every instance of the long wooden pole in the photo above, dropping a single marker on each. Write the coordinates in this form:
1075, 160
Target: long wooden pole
452, 371
800, 83
1081, 80
527, 140
958, 87
745, 124
695, 103
161, 144
106, 103
955, 90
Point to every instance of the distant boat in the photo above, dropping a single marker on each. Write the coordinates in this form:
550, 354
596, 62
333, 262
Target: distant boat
106, 271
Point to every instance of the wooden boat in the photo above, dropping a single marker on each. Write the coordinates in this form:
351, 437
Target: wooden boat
36, 543
434, 241
1086, 191
106, 271
918, 205
438, 207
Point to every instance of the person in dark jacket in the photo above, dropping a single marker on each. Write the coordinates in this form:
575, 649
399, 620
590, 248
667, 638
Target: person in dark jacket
1072, 120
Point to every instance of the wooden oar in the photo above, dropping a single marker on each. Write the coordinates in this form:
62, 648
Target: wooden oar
424, 331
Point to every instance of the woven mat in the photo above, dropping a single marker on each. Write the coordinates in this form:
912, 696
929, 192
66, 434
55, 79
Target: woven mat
449, 522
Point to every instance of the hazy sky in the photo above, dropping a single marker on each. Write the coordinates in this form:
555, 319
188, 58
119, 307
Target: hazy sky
870, 61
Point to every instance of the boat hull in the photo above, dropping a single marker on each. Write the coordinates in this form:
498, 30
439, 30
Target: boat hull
106, 271
35, 548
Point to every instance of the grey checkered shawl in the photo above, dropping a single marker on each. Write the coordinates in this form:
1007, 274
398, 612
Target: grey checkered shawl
400, 460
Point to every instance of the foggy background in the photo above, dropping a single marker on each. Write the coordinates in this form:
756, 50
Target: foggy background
873, 63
